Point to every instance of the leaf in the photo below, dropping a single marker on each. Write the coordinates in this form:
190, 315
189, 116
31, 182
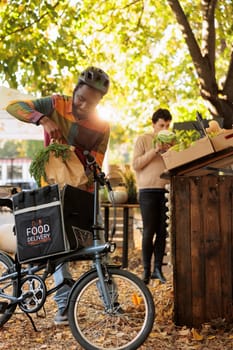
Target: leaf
210, 337
39, 340
184, 331
37, 167
196, 335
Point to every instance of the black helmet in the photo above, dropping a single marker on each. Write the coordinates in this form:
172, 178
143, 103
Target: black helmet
95, 78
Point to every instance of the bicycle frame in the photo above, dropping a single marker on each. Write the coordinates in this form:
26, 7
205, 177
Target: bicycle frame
94, 253
107, 307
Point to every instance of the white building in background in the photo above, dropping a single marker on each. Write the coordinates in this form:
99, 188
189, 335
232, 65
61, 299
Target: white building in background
15, 171
11, 128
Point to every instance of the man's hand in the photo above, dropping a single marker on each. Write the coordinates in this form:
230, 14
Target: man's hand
162, 147
51, 128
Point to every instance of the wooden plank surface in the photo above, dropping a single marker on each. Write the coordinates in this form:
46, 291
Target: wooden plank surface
197, 251
181, 250
226, 256
212, 241
202, 241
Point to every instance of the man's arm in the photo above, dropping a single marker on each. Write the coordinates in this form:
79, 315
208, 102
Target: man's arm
141, 157
36, 112
31, 111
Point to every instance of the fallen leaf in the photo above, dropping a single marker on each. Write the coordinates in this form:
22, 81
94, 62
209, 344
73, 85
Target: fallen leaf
196, 335
184, 331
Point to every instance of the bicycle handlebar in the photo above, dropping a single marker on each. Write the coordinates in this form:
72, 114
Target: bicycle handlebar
99, 175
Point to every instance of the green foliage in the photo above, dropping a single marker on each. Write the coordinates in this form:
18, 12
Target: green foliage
37, 167
16, 149
130, 183
32, 147
45, 44
36, 37
184, 139
10, 149
40, 41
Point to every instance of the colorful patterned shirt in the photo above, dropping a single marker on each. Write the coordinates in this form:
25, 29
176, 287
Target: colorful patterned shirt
86, 134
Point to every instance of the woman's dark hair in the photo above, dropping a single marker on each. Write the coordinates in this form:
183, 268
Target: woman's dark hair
161, 113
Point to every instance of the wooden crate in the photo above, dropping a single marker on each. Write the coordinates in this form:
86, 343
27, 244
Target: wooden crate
202, 248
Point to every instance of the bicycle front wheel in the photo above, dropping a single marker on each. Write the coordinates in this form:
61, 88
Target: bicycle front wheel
8, 287
128, 323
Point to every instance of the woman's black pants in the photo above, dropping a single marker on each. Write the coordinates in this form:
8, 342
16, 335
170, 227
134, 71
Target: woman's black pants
153, 211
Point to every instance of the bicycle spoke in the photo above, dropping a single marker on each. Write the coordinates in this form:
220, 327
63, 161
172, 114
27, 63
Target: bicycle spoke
124, 326
7, 287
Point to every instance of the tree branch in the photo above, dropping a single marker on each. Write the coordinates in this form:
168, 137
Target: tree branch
227, 87
201, 63
141, 14
21, 29
130, 4
208, 31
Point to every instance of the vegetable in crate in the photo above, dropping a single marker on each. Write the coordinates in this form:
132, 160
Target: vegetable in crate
165, 138
185, 139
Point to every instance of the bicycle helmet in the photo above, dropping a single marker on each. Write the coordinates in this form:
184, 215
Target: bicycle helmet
95, 78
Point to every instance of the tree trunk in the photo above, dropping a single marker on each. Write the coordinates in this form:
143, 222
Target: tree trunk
221, 108
219, 101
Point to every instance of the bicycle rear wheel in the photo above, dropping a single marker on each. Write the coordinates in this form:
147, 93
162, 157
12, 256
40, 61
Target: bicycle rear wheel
126, 326
8, 286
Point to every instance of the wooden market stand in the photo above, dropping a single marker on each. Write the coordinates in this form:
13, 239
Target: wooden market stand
202, 239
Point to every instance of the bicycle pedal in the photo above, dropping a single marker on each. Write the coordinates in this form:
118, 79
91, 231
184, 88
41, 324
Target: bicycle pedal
3, 306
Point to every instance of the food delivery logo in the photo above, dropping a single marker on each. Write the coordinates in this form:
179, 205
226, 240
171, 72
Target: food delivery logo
38, 231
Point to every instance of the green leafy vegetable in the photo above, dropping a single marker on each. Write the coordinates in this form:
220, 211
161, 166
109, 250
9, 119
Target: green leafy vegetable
185, 139
37, 167
165, 137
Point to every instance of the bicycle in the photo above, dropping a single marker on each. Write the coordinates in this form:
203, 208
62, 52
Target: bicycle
108, 307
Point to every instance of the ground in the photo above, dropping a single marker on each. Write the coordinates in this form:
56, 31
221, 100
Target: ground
19, 334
